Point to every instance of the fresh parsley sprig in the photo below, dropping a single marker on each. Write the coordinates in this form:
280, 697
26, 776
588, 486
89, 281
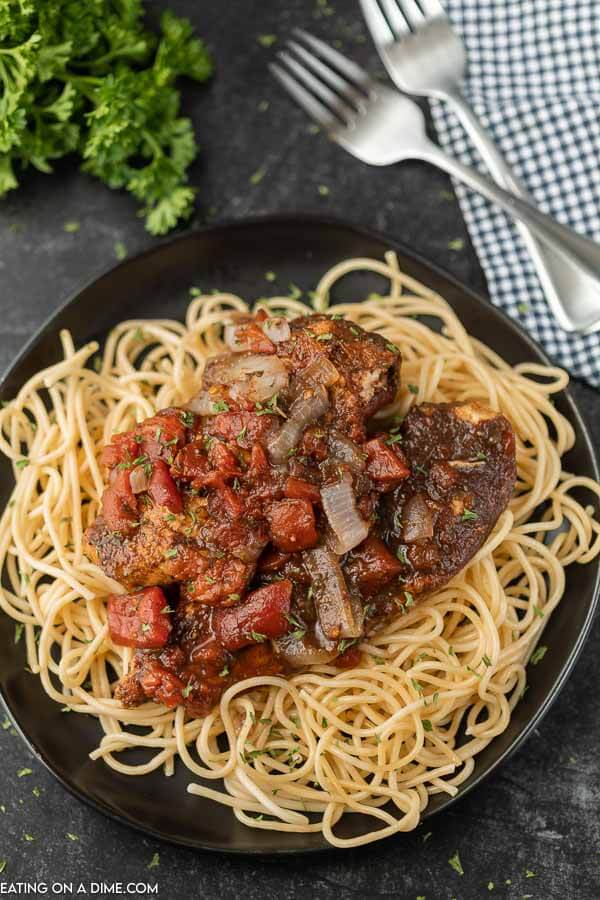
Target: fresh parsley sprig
89, 79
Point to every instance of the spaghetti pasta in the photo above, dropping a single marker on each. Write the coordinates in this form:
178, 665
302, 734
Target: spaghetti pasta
435, 685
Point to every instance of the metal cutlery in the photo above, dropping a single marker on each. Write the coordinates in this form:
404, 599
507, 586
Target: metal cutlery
424, 56
380, 126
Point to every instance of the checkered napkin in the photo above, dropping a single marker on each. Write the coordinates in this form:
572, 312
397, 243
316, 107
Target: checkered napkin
534, 82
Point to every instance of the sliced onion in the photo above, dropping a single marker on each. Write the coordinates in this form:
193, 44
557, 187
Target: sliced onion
138, 479
346, 451
230, 336
417, 521
338, 614
306, 409
277, 329
321, 371
255, 377
202, 403
339, 505
299, 652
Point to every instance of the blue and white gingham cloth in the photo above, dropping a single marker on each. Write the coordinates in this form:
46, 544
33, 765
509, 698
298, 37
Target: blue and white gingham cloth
534, 81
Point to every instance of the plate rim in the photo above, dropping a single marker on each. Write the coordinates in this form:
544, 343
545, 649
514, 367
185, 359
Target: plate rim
384, 237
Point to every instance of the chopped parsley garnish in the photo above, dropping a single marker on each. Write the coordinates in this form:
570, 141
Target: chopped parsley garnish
481, 457
154, 862
294, 291
327, 336
409, 599
270, 276
469, 516
22, 463
427, 726
224, 672
186, 691
266, 40
19, 627
413, 388
170, 554
166, 609
170, 517
486, 660
538, 655
220, 406
258, 637
417, 686
72, 837
242, 434
145, 627
188, 418
258, 176
456, 864
402, 554
270, 408
234, 597
345, 643
22, 772
394, 439
538, 612
300, 630
420, 469
392, 347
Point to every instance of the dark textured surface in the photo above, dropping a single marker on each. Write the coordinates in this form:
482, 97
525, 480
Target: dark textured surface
540, 813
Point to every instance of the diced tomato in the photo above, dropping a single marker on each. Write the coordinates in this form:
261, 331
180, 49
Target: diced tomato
231, 502
191, 464
372, 565
163, 434
298, 489
139, 620
385, 464
349, 659
272, 560
223, 460
261, 615
259, 464
292, 525
254, 338
243, 428
160, 684
119, 505
223, 581
162, 489
122, 449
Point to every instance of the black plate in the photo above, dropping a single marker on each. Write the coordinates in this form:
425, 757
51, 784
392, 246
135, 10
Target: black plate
235, 257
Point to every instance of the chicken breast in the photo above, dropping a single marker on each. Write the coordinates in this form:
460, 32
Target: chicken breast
462, 457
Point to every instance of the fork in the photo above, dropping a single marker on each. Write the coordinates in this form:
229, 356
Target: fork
380, 126
424, 56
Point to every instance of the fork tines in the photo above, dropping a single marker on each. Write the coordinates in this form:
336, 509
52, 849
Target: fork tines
331, 88
390, 20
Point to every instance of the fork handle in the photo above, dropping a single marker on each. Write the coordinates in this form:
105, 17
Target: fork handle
573, 296
580, 251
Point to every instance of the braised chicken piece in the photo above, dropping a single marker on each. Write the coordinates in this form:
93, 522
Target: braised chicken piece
463, 475
267, 526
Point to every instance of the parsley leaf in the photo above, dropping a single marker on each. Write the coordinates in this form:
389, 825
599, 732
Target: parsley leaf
90, 79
